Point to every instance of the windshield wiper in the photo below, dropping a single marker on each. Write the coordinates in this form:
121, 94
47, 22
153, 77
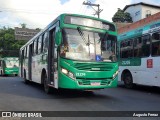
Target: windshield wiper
82, 36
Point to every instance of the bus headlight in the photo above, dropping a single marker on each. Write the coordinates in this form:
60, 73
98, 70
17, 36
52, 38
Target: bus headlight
64, 71
71, 75
115, 74
68, 73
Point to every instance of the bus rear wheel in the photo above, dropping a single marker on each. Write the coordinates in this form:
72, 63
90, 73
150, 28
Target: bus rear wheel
1, 73
47, 89
25, 80
128, 81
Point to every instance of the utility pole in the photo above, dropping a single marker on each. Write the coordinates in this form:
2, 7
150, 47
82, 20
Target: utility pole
97, 12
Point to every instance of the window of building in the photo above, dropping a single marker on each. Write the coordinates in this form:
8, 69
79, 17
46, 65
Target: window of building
148, 13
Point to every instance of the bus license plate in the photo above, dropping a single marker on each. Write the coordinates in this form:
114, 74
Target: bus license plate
95, 83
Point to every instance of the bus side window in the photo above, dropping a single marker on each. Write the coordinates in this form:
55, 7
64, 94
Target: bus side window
39, 45
122, 48
45, 42
32, 49
42, 45
22, 55
35, 46
127, 49
145, 46
137, 47
25, 54
156, 44
130, 48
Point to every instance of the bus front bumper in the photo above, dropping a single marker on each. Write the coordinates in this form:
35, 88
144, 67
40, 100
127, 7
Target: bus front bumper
86, 84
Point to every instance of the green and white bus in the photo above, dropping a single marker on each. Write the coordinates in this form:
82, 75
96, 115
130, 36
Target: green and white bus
139, 56
9, 66
72, 52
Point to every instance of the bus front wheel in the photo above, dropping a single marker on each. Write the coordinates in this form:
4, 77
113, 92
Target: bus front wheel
128, 82
47, 89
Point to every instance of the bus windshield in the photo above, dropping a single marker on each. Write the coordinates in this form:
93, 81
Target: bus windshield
11, 64
88, 45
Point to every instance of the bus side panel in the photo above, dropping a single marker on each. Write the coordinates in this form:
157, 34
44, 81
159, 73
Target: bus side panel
36, 69
144, 74
26, 68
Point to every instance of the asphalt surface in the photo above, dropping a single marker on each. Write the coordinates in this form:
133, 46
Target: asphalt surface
17, 96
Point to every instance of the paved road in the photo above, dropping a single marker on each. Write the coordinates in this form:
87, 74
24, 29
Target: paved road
17, 96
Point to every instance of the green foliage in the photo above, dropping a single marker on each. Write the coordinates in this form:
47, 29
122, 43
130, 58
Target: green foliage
8, 45
23, 25
122, 17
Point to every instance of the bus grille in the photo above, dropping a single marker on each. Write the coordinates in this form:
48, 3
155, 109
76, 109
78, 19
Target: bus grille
88, 82
93, 67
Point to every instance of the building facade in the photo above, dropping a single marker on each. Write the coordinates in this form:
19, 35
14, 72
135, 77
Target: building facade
141, 10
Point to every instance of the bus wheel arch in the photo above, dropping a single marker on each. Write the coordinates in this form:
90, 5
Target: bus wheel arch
127, 78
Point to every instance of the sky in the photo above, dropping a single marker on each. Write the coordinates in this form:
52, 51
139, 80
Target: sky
39, 13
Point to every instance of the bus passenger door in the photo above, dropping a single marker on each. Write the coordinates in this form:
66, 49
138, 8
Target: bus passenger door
51, 63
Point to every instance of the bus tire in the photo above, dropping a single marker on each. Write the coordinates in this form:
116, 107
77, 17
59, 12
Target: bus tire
47, 89
25, 80
1, 74
128, 81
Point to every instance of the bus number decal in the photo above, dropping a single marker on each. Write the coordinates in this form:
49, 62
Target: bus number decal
126, 62
80, 74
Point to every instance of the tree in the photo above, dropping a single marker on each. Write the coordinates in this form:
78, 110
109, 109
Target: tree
23, 25
8, 45
121, 16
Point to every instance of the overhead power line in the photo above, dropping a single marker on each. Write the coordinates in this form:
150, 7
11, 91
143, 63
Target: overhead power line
29, 11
